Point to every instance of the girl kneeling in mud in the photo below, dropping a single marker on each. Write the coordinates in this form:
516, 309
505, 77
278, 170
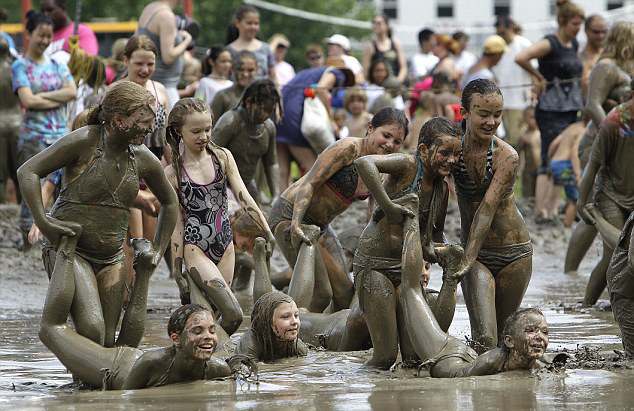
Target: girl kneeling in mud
203, 237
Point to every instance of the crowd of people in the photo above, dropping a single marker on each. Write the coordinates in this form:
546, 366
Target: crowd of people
213, 164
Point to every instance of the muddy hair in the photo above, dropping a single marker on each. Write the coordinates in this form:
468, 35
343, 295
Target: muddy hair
123, 98
568, 10
34, 19
179, 317
619, 44
436, 127
260, 92
480, 86
173, 132
511, 321
262, 326
241, 12
390, 115
212, 54
139, 42
243, 224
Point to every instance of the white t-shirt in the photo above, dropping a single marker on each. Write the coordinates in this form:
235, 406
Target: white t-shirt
208, 87
482, 73
284, 73
509, 73
422, 64
464, 61
352, 63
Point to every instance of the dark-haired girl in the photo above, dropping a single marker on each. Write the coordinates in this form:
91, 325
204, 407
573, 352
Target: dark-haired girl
44, 86
245, 70
384, 47
377, 261
331, 185
217, 68
249, 133
493, 231
203, 238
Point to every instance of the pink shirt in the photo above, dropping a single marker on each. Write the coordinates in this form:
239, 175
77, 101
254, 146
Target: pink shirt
87, 39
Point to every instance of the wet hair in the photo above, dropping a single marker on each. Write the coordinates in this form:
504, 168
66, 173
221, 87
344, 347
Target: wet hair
262, 326
35, 18
259, 92
355, 92
425, 35
436, 127
245, 225
123, 98
173, 132
239, 15
568, 10
619, 44
447, 42
375, 62
212, 54
590, 19
390, 115
479, 86
386, 19
139, 42
511, 321
179, 317
459, 35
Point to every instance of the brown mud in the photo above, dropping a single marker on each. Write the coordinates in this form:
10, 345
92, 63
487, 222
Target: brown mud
32, 378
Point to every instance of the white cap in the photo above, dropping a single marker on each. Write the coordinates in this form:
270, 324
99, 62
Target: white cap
340, 40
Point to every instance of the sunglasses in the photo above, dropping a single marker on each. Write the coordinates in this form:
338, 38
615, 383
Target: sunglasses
597, 32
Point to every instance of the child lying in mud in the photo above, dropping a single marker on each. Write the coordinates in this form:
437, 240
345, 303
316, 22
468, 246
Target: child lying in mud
191, 329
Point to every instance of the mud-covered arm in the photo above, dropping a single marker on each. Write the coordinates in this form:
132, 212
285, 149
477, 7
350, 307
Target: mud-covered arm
438, 229
219, 105
489, 363
574, 159
502, 181
224, 130
152, 172
271, 168
396, 165
141, 372
248, 345
598, 156
602, 80
630, 254
217, 368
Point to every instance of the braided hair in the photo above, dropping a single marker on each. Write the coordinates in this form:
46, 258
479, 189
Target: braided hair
261, 92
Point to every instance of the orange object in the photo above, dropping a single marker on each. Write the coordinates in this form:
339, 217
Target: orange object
26, 6
188, 8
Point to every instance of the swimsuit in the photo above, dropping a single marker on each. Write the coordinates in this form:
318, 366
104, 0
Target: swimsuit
452, 348
564, 175
344, 184
206, 213
156, 141
89, 201
494, 258
282, 210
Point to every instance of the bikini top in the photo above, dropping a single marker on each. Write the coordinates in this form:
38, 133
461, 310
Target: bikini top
344, 184
468, 188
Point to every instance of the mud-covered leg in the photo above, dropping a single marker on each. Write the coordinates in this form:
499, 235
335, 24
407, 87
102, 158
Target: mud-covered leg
335, 262
581, 239
262, 279
111, 283
86, 310
609, 233
356, 332
510, 286
242, 271
303, 280
408, 353
479, 291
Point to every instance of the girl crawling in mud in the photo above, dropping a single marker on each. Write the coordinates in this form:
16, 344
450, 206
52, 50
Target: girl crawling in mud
191, 329
103, 164
203, 237
524, 336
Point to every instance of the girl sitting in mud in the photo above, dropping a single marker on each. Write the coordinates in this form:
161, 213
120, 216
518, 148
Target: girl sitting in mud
249, 133
103, 164
191, 329
377, 262
245, 70
203, 238
524, 335
331, 185
493, 231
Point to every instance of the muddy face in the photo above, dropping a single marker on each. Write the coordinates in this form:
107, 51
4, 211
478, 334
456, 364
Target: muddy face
199, 339
141, 66
530, 336
135, 127
442, 155
196, 131
485, 115
286, 322
246, 71
385, 139
260, 112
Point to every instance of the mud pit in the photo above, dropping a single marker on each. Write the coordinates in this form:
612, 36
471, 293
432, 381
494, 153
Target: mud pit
32, 378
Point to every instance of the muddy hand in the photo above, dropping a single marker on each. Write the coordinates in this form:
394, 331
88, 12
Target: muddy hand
146, 256
54, 229
586, 213
456, 274
298, 236
269, 246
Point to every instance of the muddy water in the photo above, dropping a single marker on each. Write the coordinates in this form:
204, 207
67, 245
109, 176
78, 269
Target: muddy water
32, 378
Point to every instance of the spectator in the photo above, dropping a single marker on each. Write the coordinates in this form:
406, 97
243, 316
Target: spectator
10, 115
529, 151
463, 59
559, 100
314, 55
279, 44
243, 37
216, 66
356, 104
192, 72
339, 46
424, 62
384, 46
63, 28
509, 75
377, 75
44, 86
596, 32
245, 71
158, 22
445, 102
492, 51
3, 17
445, 47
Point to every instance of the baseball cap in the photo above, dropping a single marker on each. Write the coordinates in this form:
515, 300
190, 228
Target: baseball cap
340, 40
495, 44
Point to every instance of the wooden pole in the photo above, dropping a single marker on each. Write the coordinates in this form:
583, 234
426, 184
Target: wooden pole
188, 8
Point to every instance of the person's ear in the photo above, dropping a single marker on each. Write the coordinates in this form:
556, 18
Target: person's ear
370, 129
176, 339
126, 62
464, 113
422, 150
509, 342
118, 120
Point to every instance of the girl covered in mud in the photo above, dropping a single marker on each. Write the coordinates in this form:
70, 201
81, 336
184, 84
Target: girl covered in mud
249, 133
524, 335
103, 164
202, 239
191, 329
377, 261
331, 185
493, 231
245, 71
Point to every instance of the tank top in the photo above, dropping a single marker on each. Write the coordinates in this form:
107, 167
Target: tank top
562, 63
390, 56
166, 74
88, 199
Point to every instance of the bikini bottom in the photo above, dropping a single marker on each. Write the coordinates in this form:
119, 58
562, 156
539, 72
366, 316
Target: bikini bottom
496, 258
363, 264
